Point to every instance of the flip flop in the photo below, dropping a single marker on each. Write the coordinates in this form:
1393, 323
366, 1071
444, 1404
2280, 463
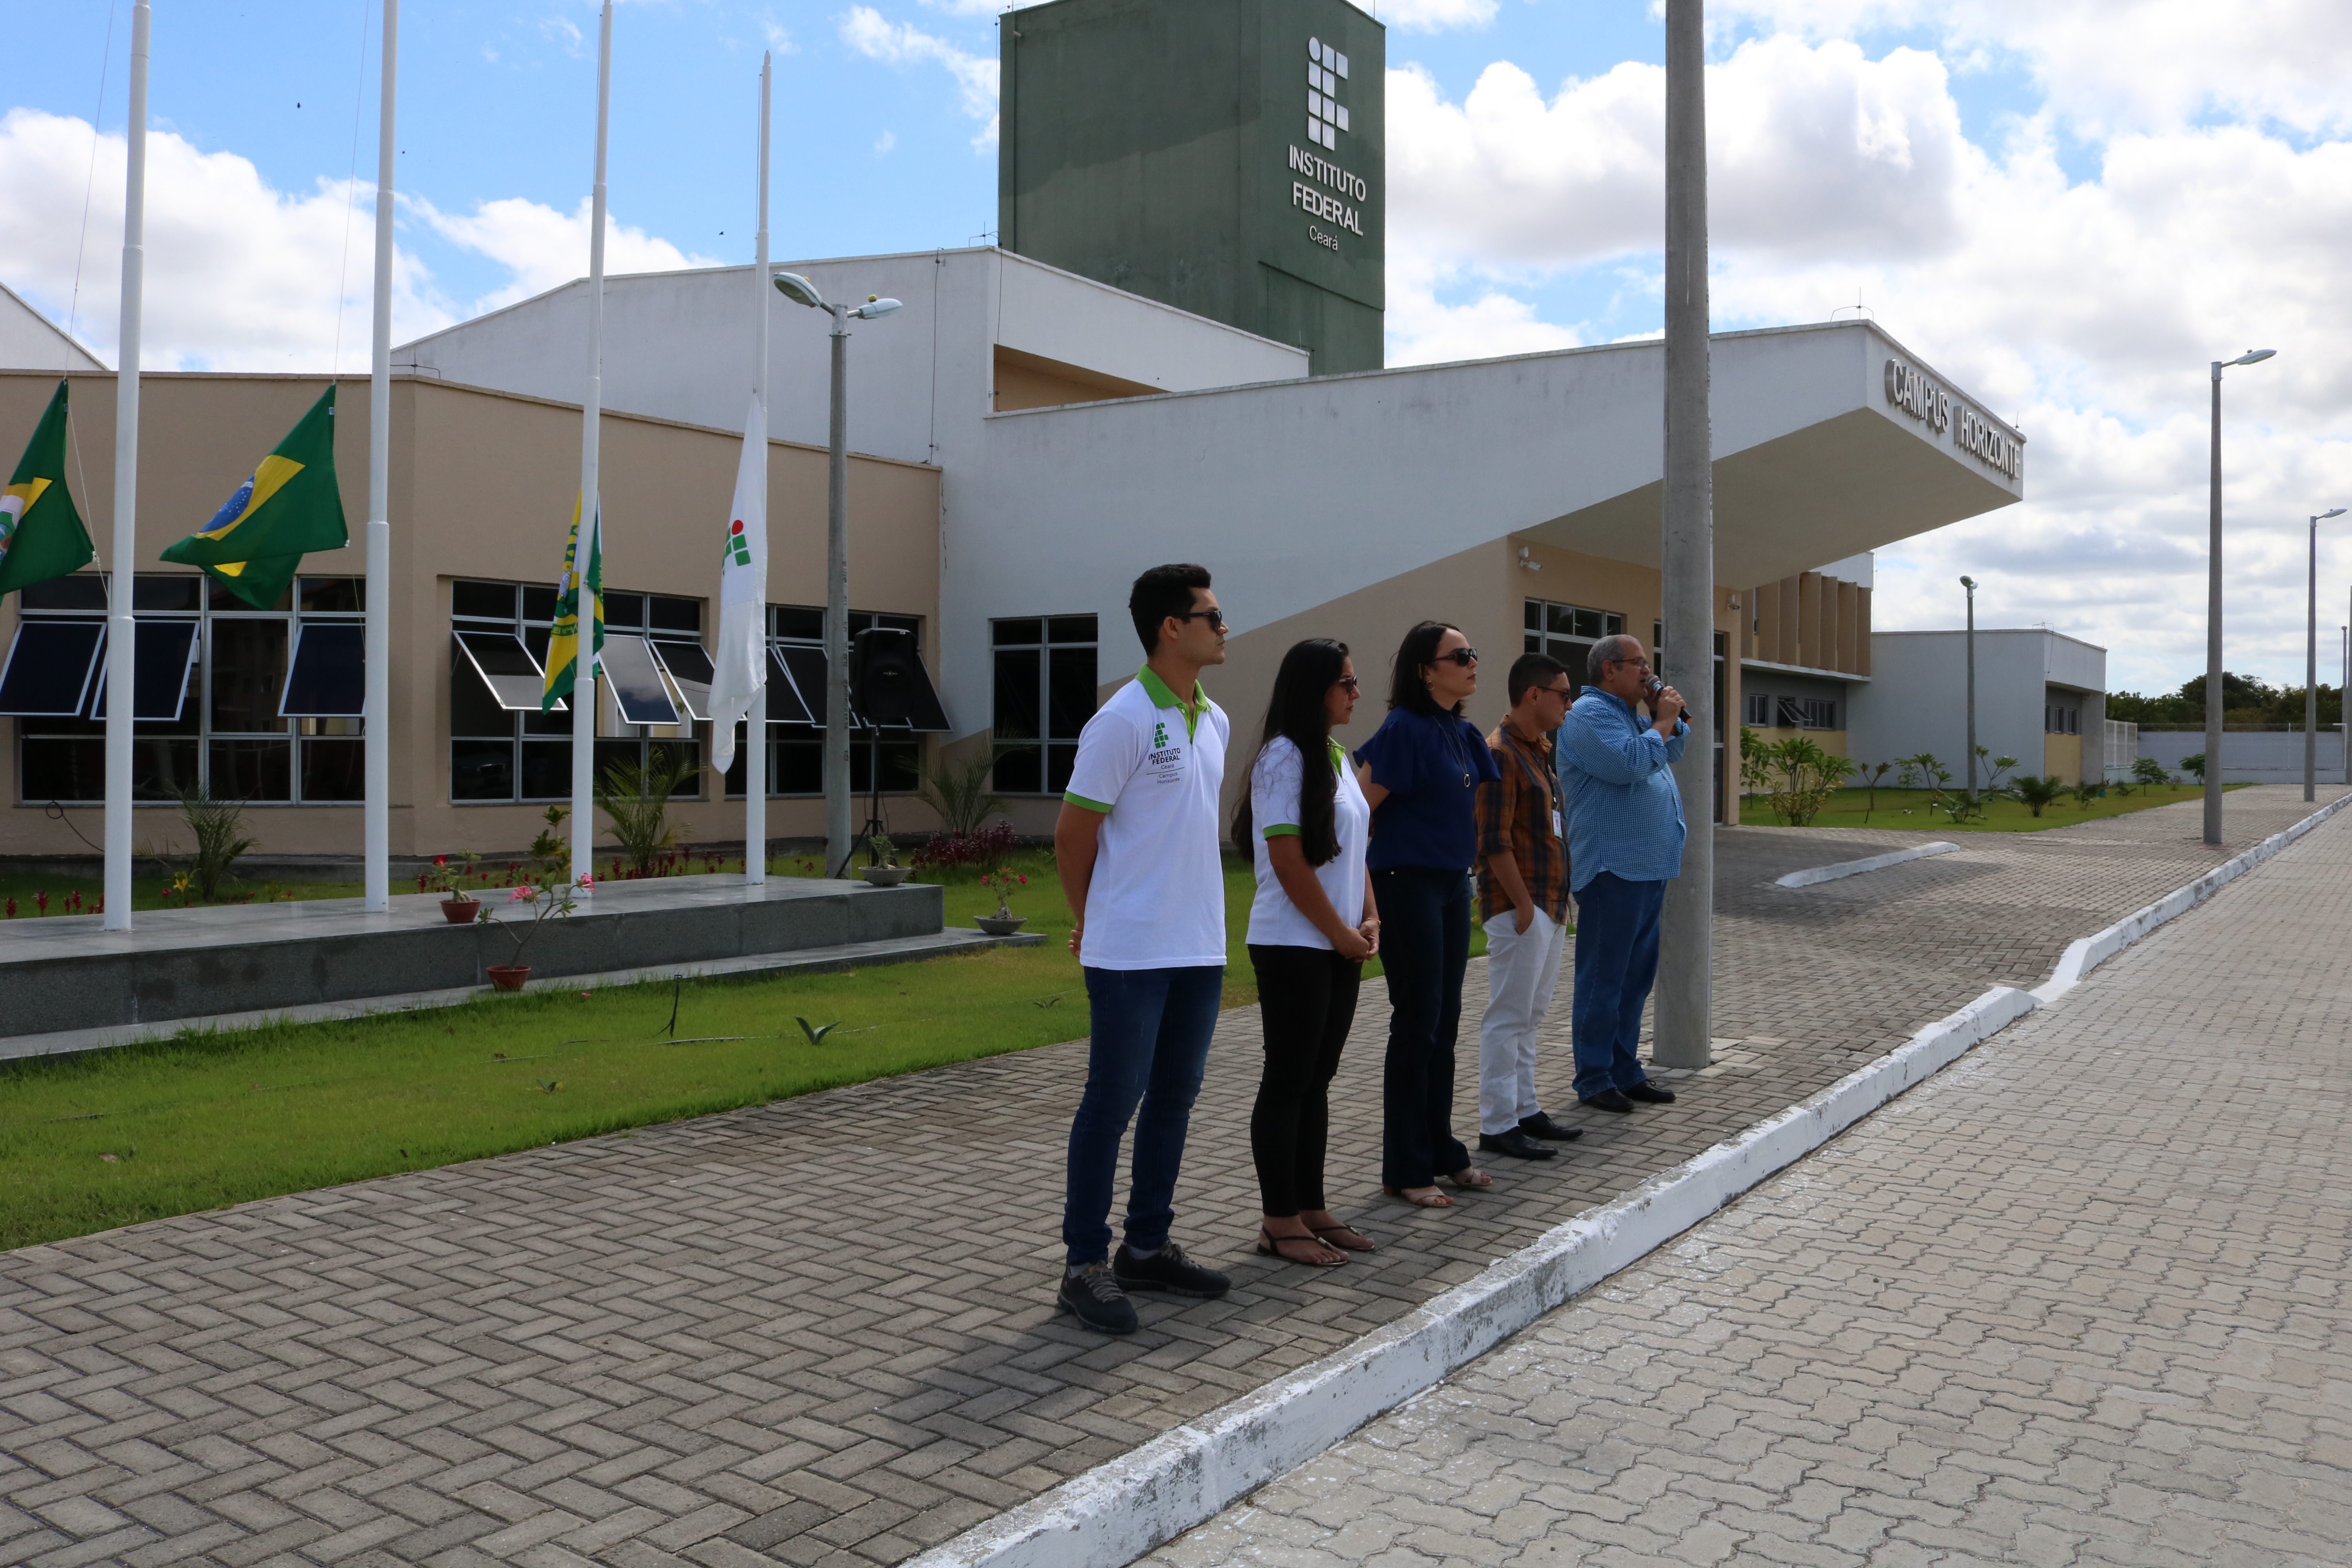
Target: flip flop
1428, 1198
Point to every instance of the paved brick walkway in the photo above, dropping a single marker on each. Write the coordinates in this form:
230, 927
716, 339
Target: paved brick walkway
820, 1330
2083, 1298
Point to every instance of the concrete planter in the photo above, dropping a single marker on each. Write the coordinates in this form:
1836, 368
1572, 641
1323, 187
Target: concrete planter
884, 876
999, 925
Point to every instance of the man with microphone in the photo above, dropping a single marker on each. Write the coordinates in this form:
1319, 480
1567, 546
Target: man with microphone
1625, 835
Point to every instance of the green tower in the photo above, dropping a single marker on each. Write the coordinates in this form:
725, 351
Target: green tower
1226, 157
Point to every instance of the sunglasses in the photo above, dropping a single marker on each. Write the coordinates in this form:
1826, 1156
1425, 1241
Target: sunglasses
1350, 685
1465, 657
1216, 617
1560, 691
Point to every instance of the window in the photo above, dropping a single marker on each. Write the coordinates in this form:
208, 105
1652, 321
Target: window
797, 676
1567, 632
1760, 711
502, 748
2060, 720
1045, 679
253, 705
1808, 712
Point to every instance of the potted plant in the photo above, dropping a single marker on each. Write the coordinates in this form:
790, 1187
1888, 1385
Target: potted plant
548, 891
1003, 922
458, 906
885, 871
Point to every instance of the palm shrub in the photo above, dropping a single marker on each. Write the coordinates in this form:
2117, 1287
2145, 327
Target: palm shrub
2088, 792
960, 793
2034, 794
636, 799
1800, 778
217, 826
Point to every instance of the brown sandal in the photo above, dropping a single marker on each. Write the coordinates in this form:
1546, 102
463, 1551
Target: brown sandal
1362, 1242
1270, 1246
1430, 1198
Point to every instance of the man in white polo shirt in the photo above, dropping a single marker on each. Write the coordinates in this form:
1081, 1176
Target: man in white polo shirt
1136, 845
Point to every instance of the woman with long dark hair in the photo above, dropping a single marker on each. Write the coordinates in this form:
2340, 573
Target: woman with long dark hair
1305, 821
1422, 772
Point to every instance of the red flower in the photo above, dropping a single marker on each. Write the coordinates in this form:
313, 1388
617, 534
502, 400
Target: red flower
440, 859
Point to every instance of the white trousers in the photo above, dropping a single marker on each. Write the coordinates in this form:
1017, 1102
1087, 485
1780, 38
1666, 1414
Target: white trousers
1522, 969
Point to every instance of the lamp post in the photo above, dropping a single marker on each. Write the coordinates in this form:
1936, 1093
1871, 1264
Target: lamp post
2213, 609
1971, 584
2311, 665
801, 291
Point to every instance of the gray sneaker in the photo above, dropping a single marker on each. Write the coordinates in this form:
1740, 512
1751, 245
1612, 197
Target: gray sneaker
1167, 1270
1096, 1297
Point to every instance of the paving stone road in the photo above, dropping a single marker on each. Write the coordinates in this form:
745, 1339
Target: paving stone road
2082, 1298
819, 1332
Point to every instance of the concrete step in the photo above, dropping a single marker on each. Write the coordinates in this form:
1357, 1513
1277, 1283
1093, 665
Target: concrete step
69, 973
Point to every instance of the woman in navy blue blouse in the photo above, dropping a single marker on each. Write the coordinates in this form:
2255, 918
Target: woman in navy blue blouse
1420, 774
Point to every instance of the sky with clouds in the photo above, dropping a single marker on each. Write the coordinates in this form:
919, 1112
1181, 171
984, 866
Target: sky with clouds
2068, 209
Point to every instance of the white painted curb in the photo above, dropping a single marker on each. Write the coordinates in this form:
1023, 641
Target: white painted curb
1117, 1512
2087, 953
1813, 873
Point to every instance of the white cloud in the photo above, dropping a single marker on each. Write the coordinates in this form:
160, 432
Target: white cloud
2123, 64
238, 276
542, 247
884, 143
1433, 15
2086, 310
902, 44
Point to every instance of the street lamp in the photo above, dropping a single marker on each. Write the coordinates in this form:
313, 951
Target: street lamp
1971, 584
2310, 667
2213, 610
801, 291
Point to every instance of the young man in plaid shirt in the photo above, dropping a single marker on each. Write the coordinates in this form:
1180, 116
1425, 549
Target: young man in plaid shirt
1523, 899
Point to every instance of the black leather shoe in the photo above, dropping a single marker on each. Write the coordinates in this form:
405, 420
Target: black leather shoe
1542, 1126
1609, 1100
1515, 1143
1650, 1094
1167, 1270
1097, 1300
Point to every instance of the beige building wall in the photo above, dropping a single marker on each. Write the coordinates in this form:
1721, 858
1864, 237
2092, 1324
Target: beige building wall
482, 486
2062, 758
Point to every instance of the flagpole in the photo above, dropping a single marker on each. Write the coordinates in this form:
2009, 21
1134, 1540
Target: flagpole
755, 727
591, 514
122, 631
377, 708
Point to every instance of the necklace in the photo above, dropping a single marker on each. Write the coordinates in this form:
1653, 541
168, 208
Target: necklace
1453, 746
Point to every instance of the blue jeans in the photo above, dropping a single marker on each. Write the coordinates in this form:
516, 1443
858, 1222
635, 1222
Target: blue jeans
1616, 962
1424, 947
1148, 1045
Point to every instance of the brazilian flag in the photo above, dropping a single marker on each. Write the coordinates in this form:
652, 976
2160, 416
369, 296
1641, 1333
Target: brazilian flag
564, 641
41, 535
290, 505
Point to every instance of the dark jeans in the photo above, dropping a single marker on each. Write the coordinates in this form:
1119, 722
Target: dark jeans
1424, 947
1151, 1041
1306, 1000
1616, 962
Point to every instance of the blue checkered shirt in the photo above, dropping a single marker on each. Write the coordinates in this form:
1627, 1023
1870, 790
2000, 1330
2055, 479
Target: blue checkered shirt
1624, 814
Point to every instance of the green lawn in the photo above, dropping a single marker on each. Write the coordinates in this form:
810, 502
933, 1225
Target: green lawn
1908, 808
91, 1141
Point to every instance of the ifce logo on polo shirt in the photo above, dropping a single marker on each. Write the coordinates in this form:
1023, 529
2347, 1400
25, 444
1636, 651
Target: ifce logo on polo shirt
1159, 733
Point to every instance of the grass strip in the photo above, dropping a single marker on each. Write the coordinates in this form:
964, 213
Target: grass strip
1908, 808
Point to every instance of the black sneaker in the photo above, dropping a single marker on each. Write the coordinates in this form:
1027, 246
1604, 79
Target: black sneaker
1167, 1270
1096, 1299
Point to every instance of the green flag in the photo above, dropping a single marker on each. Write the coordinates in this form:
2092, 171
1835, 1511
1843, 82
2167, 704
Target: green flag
563, 642
290, 505
41, 535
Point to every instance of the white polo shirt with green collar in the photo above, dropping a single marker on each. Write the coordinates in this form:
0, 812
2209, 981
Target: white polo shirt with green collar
1154, 765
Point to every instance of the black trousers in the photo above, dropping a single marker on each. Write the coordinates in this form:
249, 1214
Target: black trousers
1306, 1000
1425, 948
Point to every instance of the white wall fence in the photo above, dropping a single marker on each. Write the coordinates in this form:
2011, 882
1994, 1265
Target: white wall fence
2259, 756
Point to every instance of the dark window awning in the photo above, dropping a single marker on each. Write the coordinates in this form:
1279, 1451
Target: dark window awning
52, 666
508, 672
806, 668
161, 654
639, 692
785, 704
329, 674
689, 671
929, 717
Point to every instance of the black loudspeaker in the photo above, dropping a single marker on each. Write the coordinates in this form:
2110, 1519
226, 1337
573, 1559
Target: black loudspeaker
884, 676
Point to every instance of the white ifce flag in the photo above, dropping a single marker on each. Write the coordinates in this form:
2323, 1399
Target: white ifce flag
740, 657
